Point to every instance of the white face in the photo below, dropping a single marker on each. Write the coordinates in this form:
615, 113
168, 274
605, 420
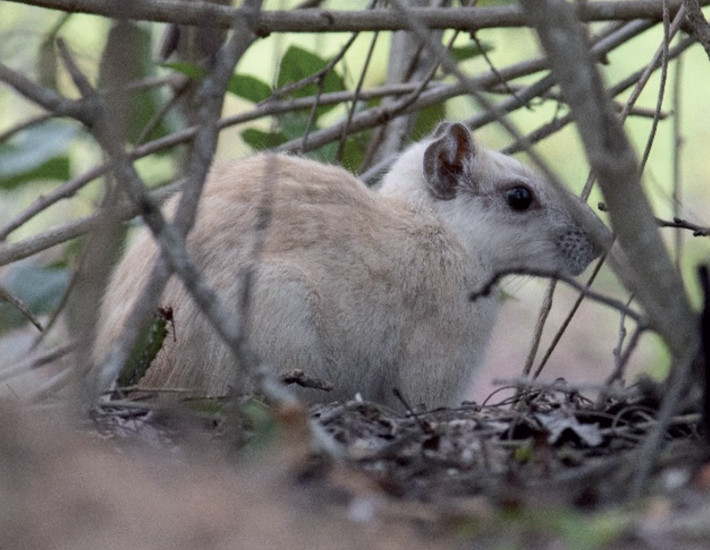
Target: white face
499, 209
503, 211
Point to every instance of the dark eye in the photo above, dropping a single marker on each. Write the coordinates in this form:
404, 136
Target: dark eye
519, 197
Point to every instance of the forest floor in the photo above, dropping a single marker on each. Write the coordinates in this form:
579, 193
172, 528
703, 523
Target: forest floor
555, 471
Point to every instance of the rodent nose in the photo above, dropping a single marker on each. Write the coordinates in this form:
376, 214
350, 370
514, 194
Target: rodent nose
578, 250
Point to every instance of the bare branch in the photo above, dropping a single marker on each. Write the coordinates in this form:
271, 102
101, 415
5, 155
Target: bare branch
19, 305
44, 97
316, 20
35, 362
638, 79
76, 228
698, 230
300, 378
611, 156
488, 285
649, 272
699, 26
171, 238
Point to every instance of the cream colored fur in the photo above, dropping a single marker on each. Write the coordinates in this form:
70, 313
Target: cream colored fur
366, 289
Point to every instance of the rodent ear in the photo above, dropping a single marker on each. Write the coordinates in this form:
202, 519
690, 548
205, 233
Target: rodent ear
445, 158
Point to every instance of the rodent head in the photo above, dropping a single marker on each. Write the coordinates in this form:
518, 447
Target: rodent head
498, 208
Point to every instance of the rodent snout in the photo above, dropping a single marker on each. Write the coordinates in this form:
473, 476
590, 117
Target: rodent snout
578, 250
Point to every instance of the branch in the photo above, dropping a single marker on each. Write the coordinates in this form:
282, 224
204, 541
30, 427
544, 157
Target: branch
699, 27
316, 20
364, 120
300, 378
637, 79
44, 97
19, 305
680, 223
648, 271
171, 238
76, 228
654, 279
488, 285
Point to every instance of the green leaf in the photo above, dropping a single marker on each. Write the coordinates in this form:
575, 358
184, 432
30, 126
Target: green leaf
298, 64
242, 85
127, 58
38, 152
260, 420
259, 140
40, 288
249, 88
354, 151
58, 168
427, 119
481, 3
461, 53
294, 125
190, 70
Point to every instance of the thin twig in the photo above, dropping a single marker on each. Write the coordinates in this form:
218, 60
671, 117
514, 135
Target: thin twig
698, 230
625, 355
35, 362
677, 152
356, 97
545, 309
488, 285
665, 46
9, 298
24, 125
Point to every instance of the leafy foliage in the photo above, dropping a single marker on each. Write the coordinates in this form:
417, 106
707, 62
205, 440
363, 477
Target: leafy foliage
37, 153
127, 58
39, 287
245, 86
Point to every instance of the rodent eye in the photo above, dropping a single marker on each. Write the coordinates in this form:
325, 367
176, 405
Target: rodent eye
519, 197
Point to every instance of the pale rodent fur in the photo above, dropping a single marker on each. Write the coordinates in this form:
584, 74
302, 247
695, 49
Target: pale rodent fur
366, 289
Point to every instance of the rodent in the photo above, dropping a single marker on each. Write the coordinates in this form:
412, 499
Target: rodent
368, 289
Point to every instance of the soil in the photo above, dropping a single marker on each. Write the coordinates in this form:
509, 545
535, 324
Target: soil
551, 470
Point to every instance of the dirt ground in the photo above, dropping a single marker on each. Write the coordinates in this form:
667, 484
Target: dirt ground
554, 472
